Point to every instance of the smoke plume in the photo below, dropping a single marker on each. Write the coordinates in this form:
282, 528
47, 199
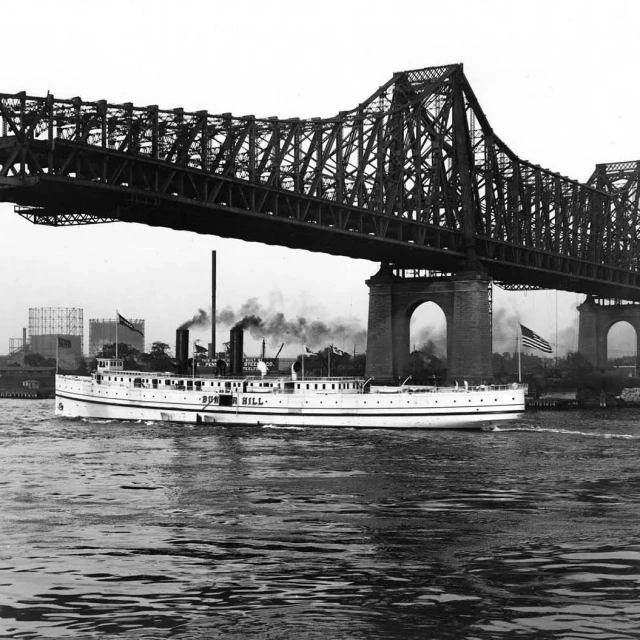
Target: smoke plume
200, 319
506, 328
431, 341
266, 321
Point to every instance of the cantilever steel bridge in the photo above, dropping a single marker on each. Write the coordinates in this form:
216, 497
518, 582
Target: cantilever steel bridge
414, 176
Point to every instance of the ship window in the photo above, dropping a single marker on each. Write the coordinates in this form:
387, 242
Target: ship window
324, 386
307, 386
333, 386
315, 386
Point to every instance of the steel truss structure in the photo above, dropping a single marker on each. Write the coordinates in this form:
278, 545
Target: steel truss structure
56, 321
414, 176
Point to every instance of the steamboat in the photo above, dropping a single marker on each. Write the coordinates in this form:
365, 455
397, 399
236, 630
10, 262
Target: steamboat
293, 401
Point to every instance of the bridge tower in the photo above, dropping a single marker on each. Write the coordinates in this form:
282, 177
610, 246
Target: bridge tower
465, 301
596, 319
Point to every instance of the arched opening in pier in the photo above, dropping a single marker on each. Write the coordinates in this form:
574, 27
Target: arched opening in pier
622, 347
428, 344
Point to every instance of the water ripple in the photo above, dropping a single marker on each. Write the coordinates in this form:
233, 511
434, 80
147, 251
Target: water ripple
154, 530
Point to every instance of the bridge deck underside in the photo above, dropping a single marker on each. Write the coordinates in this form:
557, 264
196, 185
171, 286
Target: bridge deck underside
76, 184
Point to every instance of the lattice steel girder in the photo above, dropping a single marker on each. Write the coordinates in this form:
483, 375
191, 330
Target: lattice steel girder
416, 165
46, 217
620, 180
194, 200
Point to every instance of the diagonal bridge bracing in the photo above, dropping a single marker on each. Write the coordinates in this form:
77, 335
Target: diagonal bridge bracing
414, 176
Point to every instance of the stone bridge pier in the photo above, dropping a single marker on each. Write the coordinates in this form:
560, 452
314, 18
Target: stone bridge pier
465, 301
595, 320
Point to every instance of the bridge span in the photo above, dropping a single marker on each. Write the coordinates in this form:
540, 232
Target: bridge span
414, 177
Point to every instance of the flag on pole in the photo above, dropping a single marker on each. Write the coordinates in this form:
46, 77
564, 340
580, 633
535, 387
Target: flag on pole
127, 323
533, 340
64, 343
200, 349
337, 351
308, 352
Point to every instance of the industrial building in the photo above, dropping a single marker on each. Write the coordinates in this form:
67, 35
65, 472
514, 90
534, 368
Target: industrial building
50, 325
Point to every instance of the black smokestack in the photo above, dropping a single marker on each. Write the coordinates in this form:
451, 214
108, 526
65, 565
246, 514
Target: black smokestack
182, 350
236, 351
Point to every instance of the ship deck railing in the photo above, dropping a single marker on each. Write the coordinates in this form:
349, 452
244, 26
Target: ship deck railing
140, 377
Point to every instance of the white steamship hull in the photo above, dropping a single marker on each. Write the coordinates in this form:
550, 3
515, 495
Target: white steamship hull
442, 408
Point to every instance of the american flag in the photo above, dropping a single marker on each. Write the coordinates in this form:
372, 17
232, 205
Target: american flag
533, 340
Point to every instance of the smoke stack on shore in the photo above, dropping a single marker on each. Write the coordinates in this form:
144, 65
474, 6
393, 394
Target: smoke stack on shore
182, 350
236, 348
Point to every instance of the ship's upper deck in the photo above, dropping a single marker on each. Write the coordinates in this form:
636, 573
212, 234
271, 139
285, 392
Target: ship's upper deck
110, 372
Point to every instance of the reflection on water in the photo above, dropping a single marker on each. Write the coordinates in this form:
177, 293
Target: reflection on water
153, 531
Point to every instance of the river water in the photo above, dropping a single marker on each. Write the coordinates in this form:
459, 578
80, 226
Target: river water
145, 530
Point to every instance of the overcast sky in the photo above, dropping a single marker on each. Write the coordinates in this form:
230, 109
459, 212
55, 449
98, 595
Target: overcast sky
557, 80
